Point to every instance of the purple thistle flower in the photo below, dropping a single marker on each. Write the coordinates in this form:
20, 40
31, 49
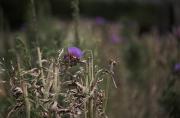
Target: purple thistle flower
177, 32
115, 38
76, 52
177, 67
100, 20
73, 56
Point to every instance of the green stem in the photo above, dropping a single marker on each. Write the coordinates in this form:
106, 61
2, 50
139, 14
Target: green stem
91, 85
27, 103
33, 26
107, 86
75, 6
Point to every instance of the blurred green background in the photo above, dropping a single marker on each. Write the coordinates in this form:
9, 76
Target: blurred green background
141, 35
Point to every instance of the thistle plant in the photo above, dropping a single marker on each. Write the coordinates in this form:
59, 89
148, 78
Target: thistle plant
69, 85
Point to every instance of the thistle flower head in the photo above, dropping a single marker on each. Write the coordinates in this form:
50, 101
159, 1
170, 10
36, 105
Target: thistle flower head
75, 52
73, 56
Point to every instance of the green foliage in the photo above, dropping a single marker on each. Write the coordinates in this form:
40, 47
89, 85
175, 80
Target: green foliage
170, 99
136, 60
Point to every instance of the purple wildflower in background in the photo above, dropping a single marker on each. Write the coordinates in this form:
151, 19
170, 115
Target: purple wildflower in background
100, 20
177, 32
76, 52
177, 67
114, 33
115, 38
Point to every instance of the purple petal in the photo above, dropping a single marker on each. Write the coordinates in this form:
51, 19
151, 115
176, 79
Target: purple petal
177, 67
100, 20
74, 51
177, 32
115, 38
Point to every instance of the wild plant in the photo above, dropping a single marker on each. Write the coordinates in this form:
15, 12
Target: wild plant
69, 85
